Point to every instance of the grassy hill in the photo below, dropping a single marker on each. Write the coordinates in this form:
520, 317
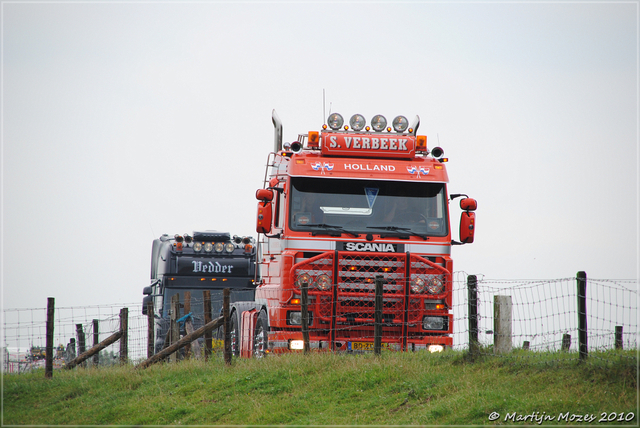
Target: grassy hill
331, 389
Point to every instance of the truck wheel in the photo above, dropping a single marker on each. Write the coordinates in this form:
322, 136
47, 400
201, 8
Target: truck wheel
261, 336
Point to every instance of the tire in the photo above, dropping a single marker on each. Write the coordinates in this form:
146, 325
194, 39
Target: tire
261, 336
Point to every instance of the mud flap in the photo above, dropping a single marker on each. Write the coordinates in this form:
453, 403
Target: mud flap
249, 320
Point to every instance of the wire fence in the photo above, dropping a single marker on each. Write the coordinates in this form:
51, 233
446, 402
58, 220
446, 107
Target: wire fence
543, 315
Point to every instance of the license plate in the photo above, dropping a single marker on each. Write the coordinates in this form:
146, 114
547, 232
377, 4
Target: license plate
364, 346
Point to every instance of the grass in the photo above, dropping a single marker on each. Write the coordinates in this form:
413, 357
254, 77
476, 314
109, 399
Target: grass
328, 389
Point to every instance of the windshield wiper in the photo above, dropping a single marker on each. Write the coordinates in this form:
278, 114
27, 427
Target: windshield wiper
330, 226
400, 229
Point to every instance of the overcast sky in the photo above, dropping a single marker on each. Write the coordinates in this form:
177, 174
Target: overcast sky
123, 121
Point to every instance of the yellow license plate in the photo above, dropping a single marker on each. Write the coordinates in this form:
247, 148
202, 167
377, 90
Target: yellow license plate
364, 346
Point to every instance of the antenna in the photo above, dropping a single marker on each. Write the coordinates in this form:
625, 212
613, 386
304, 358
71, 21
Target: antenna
324, 110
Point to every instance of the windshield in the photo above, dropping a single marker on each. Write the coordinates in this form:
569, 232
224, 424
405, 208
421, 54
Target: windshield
361, 206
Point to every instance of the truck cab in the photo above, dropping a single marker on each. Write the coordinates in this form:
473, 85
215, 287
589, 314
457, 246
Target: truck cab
207, 260
340, 207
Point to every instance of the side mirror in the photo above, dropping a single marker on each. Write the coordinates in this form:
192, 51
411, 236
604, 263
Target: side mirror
145, 301
147, 290
263, 224
467, 226
265, 195
468, 204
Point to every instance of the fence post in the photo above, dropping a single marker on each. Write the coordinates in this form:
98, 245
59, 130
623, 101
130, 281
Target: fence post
582, 315
71, 350
206, 295
472, 287
502, 324
96, 340
124, 339
618, 337
566, 342
226, 306
377, 316
173, 324
187, 310
304, 290
48, 368
82, 341
151, 341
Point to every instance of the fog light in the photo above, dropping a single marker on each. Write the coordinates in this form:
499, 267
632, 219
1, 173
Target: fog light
435, 348
296, 345
433, 323
335, 121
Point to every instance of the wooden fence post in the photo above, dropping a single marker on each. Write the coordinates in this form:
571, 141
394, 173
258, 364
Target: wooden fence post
502, 324
82, 340
566, 342
124, 339
187, 310
208, 344
304, 322
96, 340
472, 293
618, 337
226, 305
151, 343
48, 367
94, 350
174, 329
377, 315
582, 315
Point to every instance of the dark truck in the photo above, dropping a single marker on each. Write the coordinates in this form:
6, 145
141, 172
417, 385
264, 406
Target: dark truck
208, 260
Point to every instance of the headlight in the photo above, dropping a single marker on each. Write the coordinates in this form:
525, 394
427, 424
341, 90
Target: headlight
433, 323
296, 344
305, 277
400, 124
229, 247
435, 285
323, 282
417, 285
435, 348
378, 123
357, 122
208, 247
219, 246
335, 121
197, 247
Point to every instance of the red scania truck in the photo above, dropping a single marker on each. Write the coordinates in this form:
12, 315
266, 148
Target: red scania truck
340, 207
